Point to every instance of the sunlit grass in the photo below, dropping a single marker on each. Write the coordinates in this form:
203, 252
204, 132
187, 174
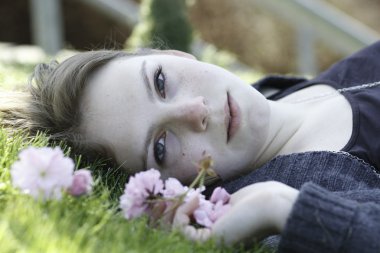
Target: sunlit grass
14, 76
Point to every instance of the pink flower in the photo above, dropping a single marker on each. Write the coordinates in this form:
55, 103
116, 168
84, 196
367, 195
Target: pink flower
139, 188
192, 192
146, 193
132, 207
220, 194
202, 213
82, 183
42, 172
209, 211
173, 188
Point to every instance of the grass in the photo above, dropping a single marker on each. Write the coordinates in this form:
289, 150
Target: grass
85, 224
13, 76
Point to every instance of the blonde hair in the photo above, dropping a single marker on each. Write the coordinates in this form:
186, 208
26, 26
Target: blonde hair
51, 103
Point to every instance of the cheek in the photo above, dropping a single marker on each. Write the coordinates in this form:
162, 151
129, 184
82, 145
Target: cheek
196, 83
183, 170
184, 166
186, 173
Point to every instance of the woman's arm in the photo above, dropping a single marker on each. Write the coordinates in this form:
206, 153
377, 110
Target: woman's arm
324, 221
310, 220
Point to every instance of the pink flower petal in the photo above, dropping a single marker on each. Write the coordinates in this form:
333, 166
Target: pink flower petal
82, 183
173, 188
220, 194
42, 172
140, 187
202, 213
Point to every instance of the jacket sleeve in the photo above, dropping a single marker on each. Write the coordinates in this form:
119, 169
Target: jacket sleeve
324, 221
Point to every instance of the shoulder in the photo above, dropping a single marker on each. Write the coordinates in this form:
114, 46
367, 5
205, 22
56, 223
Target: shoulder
350, 221
332, 170
359, 68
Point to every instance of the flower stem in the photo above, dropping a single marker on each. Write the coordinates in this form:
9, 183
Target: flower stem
199, 179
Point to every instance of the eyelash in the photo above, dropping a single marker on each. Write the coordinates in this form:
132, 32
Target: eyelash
160, 149
159, 84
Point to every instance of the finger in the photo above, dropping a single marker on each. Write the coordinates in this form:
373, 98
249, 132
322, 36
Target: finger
248, 190
183, 212
247, 219
182, 220
190, 206
194, 234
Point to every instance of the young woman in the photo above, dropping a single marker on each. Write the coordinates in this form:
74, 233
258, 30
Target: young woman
165, 109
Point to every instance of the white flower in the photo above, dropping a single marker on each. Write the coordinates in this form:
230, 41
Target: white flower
42, 172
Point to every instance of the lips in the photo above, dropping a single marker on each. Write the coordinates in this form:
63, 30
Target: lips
233, 117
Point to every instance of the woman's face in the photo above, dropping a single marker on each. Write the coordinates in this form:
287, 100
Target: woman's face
166, 112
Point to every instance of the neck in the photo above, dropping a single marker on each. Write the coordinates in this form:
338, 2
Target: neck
285, 121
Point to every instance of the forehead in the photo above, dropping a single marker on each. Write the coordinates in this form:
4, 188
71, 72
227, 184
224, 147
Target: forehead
114, 110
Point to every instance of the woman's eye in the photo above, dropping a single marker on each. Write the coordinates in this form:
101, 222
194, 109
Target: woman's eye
159, 149
159, 82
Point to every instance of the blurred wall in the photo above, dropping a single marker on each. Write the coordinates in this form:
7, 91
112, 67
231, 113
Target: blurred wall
14, 21
262, 40
250, 33
367, 11
85, 28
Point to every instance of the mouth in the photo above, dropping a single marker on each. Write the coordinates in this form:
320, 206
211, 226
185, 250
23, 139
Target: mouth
232, 118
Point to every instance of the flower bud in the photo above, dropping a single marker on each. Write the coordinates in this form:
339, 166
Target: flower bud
82, 183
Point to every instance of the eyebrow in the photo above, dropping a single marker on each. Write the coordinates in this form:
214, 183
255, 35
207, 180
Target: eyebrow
146, 80
149, 135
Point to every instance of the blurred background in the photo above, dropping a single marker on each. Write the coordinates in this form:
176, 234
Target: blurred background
250, 37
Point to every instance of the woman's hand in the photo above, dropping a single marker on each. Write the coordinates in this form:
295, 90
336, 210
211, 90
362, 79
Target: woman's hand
257, 211
181, 221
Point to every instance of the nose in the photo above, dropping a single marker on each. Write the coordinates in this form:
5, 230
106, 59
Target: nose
190, 112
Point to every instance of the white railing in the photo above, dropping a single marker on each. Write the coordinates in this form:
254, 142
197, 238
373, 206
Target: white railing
316, 19
47, 25
123, 11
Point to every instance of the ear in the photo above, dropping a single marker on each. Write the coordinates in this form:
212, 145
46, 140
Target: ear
179, 53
